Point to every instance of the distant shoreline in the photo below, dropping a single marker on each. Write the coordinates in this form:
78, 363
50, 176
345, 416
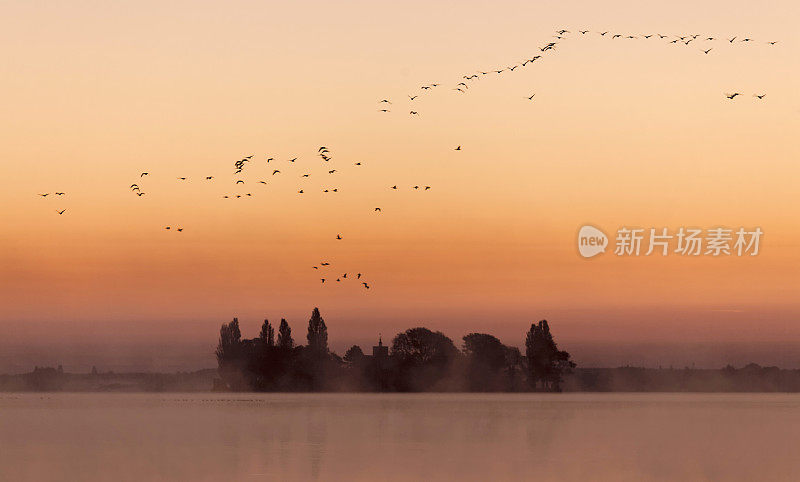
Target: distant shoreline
751, 378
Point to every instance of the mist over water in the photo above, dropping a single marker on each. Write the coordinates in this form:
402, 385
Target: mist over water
619, 437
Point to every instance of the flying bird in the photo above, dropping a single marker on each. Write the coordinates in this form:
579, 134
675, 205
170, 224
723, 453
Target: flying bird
731, 96
208, 178
707, 51
143, 174
377, 210
338, 236
760, 96
531, 97
458, 148
61, 212
59, 193
275, 172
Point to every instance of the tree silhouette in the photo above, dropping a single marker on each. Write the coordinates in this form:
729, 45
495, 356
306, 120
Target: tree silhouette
423, 358
231, 357
354, 354
546, 364
285, 340
317, 334
486, 358
267, 335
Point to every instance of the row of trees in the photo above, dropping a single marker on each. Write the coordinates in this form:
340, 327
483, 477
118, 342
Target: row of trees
419, 360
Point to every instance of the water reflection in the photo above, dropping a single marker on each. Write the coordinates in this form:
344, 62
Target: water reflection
398, 437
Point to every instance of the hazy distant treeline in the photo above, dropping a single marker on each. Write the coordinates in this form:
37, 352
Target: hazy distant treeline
417, 359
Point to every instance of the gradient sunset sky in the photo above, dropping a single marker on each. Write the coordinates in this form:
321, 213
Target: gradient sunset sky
620, 132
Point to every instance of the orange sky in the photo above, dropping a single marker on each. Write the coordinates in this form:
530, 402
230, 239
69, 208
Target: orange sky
620, 132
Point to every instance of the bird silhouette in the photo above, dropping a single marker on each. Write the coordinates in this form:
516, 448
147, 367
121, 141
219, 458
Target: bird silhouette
378, 210
275, 172
182, 178
144, 174
338, 236
61, 212
179, 229
760, 96
358, 276
140, 194
239, 182
365, 285
59, 193
331, 171
300, 191
413, 97
707, 51
731, 96
531, 97
393, 187
458, 148
208, 178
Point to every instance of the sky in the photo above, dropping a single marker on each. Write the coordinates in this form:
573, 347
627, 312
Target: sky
620, 132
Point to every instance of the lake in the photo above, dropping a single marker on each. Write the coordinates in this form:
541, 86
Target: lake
431, 437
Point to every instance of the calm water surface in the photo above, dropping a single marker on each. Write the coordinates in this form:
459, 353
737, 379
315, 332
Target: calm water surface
221, 437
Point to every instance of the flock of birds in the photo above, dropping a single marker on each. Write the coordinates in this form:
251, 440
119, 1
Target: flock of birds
240, 179
462, 87
57, 194
466, 80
